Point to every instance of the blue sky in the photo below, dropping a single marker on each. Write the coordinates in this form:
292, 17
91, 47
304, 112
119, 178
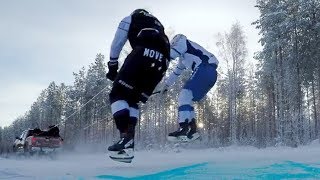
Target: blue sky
46, 40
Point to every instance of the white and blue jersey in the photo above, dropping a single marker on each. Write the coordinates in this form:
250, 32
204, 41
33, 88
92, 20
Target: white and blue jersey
190, 55
203, 64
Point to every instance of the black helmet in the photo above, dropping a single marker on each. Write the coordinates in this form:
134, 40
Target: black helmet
137, 11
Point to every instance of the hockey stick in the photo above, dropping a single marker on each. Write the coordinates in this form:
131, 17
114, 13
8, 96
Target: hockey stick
154, 93
158, 92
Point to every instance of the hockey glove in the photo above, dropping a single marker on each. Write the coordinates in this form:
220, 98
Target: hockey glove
113, 70
164, 89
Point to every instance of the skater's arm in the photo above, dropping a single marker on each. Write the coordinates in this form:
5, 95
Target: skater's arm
178, 47
176, 73
120, 38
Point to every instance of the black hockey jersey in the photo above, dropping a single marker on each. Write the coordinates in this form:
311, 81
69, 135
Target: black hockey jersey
129, 29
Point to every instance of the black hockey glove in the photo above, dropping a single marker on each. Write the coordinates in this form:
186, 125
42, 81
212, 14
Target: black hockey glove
164, 89
113, 68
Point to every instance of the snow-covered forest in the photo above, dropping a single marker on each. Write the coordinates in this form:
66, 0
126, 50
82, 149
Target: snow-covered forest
274, 101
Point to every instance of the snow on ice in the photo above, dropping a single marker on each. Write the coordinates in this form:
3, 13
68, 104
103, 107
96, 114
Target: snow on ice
216, 163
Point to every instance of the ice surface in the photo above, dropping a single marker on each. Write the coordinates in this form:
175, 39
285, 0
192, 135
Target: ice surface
217, 163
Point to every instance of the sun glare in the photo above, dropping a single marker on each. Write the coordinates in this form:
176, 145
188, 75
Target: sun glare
200, 125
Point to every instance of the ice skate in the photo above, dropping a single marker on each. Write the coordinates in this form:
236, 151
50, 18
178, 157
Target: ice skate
180, 135
123, 150
193, 133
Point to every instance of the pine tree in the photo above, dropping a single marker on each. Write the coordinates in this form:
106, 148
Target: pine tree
233, 50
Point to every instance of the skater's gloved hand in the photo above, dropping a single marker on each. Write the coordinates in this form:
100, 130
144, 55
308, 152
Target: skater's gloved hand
164, 89
113, 70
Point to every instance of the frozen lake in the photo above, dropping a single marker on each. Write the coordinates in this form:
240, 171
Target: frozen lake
280, 170
217, 163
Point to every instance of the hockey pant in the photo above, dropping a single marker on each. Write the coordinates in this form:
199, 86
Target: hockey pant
135, 82
199, 84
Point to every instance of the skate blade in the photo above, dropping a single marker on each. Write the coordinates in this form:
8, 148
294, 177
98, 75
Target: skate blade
125, 155
124, 160
178, 139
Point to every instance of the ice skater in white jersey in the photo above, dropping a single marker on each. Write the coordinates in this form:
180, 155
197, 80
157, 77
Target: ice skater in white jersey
203, 65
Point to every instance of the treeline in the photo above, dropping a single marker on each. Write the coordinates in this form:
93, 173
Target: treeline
289, 70
73, 108
273, 102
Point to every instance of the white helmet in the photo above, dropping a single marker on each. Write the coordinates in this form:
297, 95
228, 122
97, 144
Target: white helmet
177, 38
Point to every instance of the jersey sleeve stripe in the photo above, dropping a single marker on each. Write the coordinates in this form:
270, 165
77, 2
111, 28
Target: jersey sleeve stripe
125, 22
176, 73
123, 29
176, 51
180, 68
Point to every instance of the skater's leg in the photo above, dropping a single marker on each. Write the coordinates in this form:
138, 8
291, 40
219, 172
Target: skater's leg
134, 117
184, 114
123, 149
122, 94
185, 106
121, 114
202, 80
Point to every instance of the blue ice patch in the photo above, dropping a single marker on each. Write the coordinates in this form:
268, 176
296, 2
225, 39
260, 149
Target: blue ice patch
177, 173
234, 170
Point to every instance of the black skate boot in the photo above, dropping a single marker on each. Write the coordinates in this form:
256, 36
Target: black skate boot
180, 135
122, 150
193, 134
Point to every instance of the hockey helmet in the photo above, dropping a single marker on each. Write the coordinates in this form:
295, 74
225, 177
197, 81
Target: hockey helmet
177, 38
138, 11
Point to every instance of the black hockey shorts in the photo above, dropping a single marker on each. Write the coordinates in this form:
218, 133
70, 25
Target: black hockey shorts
142, 70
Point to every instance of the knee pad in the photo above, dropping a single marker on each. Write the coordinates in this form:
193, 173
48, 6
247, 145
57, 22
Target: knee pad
121, 114
118, 106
